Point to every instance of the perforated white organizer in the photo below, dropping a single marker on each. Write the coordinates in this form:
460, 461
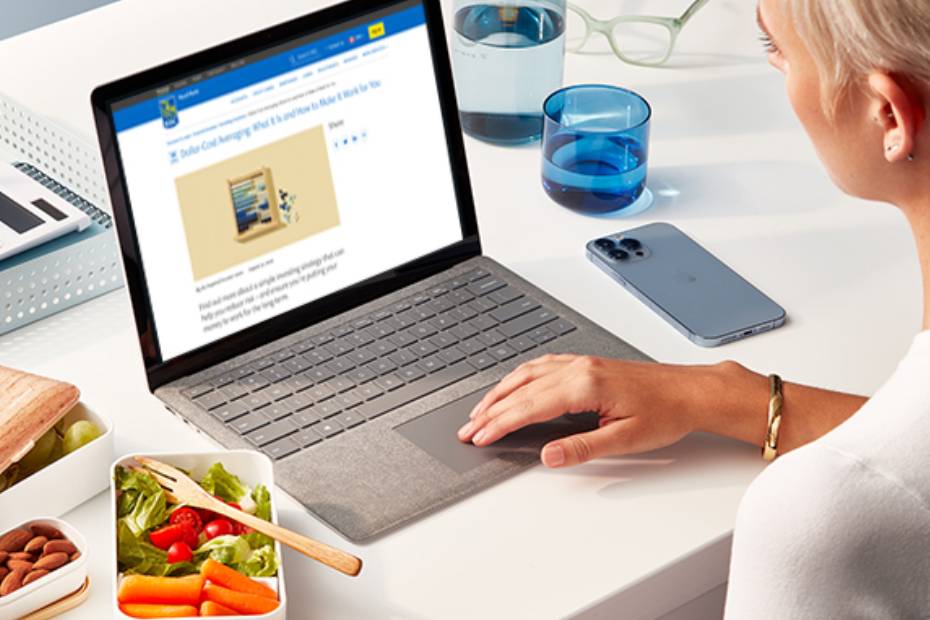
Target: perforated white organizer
60, 279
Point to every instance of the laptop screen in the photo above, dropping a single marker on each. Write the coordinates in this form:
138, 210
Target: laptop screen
279, 178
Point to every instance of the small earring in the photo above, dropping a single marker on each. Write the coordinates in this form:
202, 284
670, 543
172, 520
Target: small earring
910, 157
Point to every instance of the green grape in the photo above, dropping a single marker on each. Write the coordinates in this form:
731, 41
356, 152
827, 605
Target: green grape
79, 434
42, 453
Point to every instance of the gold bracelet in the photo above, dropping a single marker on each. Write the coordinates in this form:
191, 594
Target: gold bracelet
776, 400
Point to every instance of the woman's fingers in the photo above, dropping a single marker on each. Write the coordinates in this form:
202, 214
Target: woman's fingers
521, 376
530, 406
609, 439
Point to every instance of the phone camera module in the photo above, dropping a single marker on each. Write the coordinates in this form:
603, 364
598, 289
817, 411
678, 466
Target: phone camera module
605, 244
631, 245
620, 255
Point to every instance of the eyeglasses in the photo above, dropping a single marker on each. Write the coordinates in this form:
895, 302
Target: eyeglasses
643, 40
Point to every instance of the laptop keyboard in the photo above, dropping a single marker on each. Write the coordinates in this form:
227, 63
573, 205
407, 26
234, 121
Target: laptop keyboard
331, 383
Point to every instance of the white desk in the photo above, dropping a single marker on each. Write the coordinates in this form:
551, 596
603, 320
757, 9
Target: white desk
632, 538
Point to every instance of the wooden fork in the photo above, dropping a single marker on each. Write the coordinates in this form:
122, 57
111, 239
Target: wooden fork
180, 489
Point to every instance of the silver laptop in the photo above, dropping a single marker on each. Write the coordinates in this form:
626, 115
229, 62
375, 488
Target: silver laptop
302, 252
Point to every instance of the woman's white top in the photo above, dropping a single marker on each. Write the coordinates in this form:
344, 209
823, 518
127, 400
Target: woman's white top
841, 528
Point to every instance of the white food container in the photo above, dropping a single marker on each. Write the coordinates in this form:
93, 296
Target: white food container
54, 586
68, 482
253, 468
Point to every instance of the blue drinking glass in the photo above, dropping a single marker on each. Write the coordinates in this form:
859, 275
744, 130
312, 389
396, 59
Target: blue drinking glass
595, 147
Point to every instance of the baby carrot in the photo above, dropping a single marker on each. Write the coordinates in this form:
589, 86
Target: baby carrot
222, 575
147, 610
240, 602
168, 590
209, 608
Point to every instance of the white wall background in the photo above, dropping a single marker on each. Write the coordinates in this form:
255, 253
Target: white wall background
18, 16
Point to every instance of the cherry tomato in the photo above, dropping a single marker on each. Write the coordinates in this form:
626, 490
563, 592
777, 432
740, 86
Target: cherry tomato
189, 516
218, 527
208, 515
180, 552
241, 530
170, 534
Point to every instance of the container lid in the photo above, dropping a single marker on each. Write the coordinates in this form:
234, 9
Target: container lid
29, 406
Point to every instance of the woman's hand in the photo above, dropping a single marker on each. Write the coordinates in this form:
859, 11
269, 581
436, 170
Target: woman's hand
642, 406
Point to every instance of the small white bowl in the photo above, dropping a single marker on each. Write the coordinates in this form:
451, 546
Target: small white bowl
253, 468
54, 586
74, 478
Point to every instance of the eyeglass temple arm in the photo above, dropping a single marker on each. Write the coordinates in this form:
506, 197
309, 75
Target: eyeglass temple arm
696, 6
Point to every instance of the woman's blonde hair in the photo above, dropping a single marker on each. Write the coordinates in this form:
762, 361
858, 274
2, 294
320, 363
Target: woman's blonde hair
850, 38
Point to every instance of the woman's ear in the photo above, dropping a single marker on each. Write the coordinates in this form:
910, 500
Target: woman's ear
899, 110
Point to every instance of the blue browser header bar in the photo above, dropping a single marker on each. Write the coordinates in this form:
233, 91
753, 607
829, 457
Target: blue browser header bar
166, 108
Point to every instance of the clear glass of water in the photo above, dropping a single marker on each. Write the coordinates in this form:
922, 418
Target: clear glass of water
508, 56
596, 148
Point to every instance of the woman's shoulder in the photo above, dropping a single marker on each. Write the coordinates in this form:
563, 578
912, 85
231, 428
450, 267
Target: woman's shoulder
822, 524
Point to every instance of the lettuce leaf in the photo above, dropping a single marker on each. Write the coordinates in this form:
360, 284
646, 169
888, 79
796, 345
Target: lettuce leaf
142, 504
262, 499
223, 484
228, 550
136, 555
261, 562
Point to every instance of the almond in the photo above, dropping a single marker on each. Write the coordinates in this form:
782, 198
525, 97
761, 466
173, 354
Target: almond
51, 561
36, 544
15, 540
4, 571
59, 546
40, 529
75, 556
22, 555
12, 582
32, 576
24, 565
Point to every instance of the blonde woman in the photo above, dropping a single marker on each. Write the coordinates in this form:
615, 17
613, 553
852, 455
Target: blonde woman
838, 528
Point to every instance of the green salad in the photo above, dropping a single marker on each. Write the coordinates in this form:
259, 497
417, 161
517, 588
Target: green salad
155, 537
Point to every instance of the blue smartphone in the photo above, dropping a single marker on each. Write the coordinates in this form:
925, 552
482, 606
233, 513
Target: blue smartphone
686, 285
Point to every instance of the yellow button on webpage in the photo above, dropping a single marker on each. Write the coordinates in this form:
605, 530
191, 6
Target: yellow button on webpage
376, 30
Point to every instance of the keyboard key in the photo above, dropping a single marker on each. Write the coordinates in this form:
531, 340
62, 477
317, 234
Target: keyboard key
481, 305
234, 391
249, 423
306, 418
394, 324
463, 331
361, 375
279, 391
475, 275
462, 314
254, 382
431, 364
359, 339
281, 448
502, 352
339, 384
299, 382
318, 356
283, 354
381, 348
297, 401
230, 411
382, 366
523, 343
440, 305
438, 291
362, 324
410, 373
422, 313
338, 347
514, 309
296, 364
485, 286
256, 400
542, 335
348, 400
456, 283
303, 346
505, 295
320, 392
561, 327
369, 391
442, 321
419, 299
380, 315
441, 341
491, 337
307, 437
224, 379
349, 419
340, 366
423, 349
242, 371
319, 375
342, 331
389, 382
401, 339
452, 355
327, 408
472, 346
422, 331
322, 339
262, 364
460, 297
401, 306
483, 322
379, 331
275, 411
404, 320
482, 361
328, 428
270, 433
211, 400
402, 358
275, 374
413, 391
528, 322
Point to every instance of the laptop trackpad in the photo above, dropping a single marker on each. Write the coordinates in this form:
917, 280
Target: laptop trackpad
435, 434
